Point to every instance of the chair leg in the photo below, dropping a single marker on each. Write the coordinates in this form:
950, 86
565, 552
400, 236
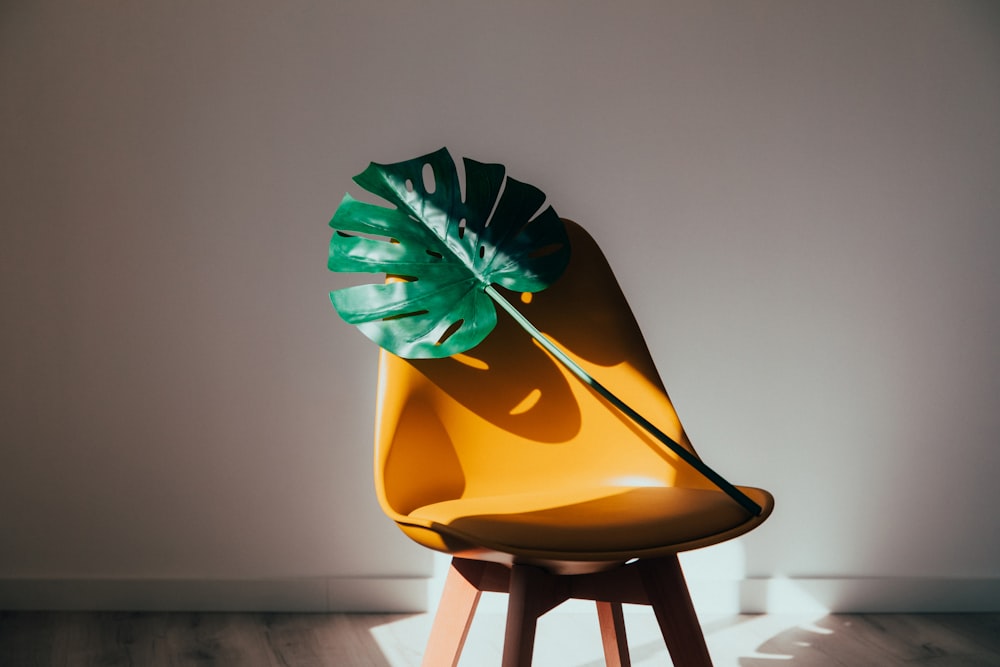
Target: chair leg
671, 602
452, 621
533, 592
612, 621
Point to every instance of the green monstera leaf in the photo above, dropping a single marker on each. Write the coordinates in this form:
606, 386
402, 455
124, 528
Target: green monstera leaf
445, 251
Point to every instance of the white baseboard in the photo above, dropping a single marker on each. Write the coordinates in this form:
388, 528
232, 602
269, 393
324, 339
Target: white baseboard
406, 595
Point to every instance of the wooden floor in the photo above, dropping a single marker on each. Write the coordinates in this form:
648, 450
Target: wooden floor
69, 639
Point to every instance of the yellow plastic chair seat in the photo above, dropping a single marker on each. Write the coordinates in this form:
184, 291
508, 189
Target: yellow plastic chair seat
537, 486
597, 523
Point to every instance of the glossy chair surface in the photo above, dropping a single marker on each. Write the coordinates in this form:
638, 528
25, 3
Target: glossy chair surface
500, 455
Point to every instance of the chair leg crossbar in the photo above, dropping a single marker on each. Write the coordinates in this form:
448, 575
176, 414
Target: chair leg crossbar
533, 591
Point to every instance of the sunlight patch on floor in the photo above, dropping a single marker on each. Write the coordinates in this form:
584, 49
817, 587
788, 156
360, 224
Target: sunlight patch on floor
571, 638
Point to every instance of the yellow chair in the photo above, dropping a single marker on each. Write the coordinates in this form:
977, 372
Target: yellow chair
537, 486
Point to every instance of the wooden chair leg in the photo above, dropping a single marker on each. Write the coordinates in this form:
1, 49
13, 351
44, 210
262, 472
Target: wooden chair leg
452, 621
612, 621
533, 592
671, 602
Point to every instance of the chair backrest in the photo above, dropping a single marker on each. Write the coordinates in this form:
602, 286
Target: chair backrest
506, 418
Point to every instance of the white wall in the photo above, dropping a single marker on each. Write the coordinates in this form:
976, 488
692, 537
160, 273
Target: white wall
801, 199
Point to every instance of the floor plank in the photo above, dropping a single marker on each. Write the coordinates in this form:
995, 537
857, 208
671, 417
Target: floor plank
105, 639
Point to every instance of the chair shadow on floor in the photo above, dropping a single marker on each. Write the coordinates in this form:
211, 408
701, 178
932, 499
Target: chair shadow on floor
566, 638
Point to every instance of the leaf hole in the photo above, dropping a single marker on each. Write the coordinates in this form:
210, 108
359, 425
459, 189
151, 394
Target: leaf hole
403, 315
528, 402
470, 361
461, 228
340, 233
430, 184
409, 185
435, 254
496, 202
546, 250
482, 251
450, 331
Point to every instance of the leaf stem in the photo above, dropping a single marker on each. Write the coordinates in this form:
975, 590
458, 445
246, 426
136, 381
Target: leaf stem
648, 426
